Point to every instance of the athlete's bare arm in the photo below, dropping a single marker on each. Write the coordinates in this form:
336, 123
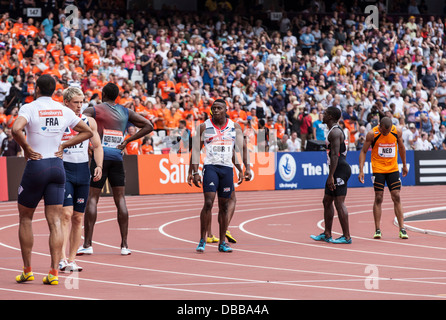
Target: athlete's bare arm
98, 152
367, 143
402, 151
197, 145
241, 145
19, 137
140, 122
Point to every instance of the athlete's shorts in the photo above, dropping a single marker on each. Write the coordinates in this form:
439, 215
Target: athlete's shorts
218, 179
77, 185
392, 179
111, 169
42, 179
341, 176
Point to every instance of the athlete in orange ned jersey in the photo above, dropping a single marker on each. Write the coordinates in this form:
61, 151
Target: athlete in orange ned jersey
385, 140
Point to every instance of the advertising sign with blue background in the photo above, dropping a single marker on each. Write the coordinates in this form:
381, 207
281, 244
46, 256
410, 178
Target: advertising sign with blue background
309, 170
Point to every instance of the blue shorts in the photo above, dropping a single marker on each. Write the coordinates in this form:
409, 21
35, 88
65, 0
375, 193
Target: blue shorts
42, 179
77, 185
218, 179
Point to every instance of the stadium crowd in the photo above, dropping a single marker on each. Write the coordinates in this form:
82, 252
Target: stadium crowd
276, 79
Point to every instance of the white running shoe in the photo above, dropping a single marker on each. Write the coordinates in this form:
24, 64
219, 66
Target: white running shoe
74, 267
126, 252
63, 264
81, 251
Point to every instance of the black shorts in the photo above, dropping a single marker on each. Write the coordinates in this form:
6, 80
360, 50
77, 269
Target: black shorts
42, 179
218, 179
392, 179
341, 176
77, 185
111, 169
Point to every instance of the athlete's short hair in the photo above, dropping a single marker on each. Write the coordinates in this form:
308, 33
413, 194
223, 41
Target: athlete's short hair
221, 101
46, 85
71, 92
111, 91
386, 122
334, 112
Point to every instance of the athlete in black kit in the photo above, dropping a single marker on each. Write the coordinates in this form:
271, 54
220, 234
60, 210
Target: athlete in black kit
336, 185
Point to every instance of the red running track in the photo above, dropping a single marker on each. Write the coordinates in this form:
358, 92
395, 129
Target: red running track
274, 259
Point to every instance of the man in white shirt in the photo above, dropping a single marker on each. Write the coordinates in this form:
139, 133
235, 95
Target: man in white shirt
410, 136
423, 144
293, 143
44, 121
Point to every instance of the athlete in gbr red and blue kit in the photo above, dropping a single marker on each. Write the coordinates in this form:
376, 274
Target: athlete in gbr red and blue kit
76, 162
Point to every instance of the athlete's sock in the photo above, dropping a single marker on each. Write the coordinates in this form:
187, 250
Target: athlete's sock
54, 272
27, 270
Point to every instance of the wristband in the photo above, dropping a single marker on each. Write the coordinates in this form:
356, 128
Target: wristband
194, 173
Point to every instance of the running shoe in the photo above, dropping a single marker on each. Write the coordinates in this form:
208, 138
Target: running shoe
51, 279
63, 264
81, 251
224, 247
212, 239
403, 234
125, 252
341, 239
377, 234
73, 267
321, 237
201, 246
25, 277
230, 237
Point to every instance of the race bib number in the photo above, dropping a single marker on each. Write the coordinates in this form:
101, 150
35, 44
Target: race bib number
387, 150
112, 138
51, 120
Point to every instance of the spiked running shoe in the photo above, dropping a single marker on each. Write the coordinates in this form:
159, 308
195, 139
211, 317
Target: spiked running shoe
212, 239
321, 237
201, 246
25, 277
51, 279
224, 247
73, 267
126, 252
230, 237
403, 234
81, 251
341, 239
63, 264
377, 234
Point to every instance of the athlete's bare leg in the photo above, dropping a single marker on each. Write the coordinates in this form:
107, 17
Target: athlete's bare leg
53, 214
26, 236
398, 208
123, 214
223, 217
75, 234
341, 209
206, 214
91, 212
377, 210
328, 214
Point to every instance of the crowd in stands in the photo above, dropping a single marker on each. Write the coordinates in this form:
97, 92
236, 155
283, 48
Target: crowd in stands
276, 79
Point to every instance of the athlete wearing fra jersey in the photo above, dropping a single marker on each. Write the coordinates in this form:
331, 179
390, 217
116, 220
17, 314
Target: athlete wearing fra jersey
385, 139
76, 162
336, 184
221, 137
44, 121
